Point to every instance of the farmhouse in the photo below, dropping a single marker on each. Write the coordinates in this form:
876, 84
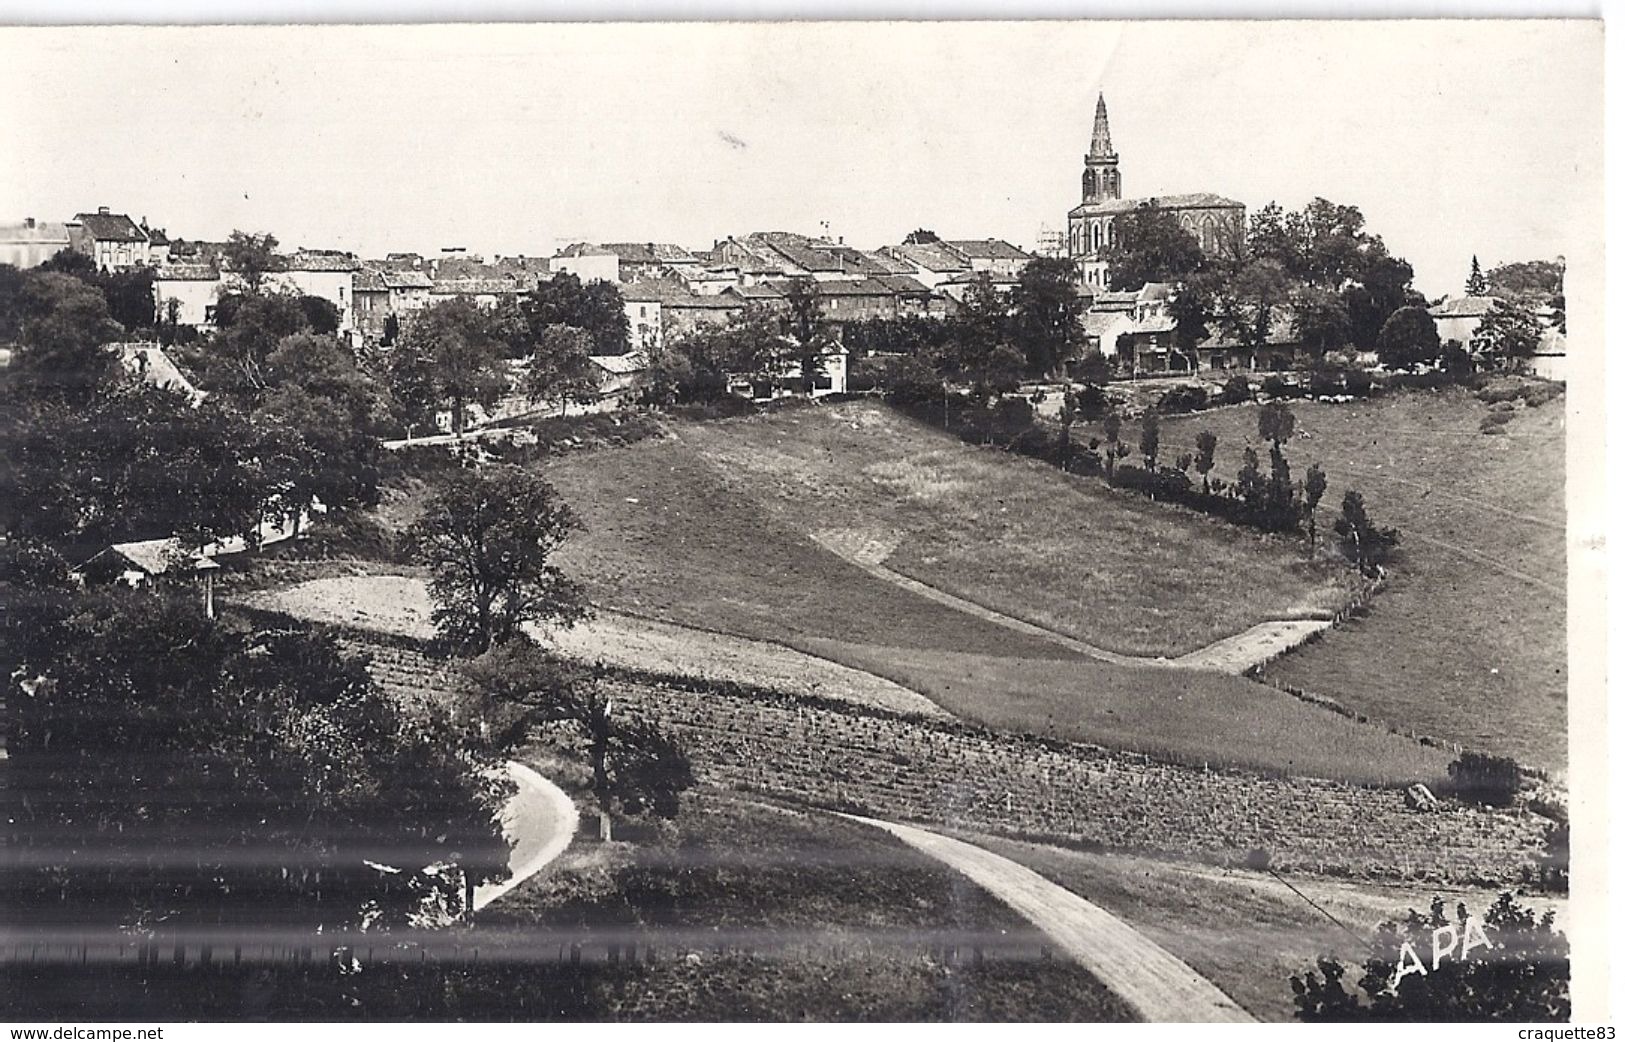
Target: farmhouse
1457, 318
30, 243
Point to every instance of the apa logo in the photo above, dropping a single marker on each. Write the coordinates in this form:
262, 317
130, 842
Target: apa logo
1445, 941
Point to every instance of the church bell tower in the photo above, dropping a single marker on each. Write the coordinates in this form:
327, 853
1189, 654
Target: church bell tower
1100, 177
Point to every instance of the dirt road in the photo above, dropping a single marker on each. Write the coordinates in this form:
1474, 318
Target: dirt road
1160, 987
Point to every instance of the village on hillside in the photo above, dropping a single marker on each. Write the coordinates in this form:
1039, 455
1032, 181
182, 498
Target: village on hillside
1161, 619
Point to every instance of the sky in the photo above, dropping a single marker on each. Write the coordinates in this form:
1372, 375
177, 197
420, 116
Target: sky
1454, 138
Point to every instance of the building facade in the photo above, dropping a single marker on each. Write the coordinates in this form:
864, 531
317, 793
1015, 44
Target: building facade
1217, 223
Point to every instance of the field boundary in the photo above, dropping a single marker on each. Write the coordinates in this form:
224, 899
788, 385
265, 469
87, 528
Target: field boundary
1236, 654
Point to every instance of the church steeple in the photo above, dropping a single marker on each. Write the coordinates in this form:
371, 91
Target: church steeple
1100, 178
1100, 144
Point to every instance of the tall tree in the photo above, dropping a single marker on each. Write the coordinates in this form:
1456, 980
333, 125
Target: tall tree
448, 355
488, 537
560, 369
1382, 288
1320, 319
64, 325
920, 236
1409, 337
1508, 336
224, 776
807, 326
595, 307
252, 255
1048, 314
1206, 443
1151, 246
1249, 302
1476, 286
633, 764
1365, 543
1150, 440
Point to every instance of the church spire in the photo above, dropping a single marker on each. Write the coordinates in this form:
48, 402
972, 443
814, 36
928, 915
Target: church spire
1100, 144
1101, 181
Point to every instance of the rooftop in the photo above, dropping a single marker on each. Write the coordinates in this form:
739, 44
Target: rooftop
1187, 201
110, 227
987, 249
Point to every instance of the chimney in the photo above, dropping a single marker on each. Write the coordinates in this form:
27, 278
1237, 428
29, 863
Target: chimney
28, 222
103, 209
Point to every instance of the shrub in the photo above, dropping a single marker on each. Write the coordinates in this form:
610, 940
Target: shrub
1358, 383
1236, 390
1325, 384
1494, 423
1481, 778
1276, 387
1181, 400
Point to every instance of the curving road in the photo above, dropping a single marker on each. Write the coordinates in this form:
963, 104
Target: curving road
1159, 986
539, 821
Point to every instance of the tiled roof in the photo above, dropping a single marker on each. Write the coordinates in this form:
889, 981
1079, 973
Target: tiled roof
650, 252
407, 278
157, 556
902, 284
930, 256
157, 237
38, 231
1156, 291
887, 263
322, 260
584, 249
111, 227
186, 272
368, 280
671, 294
1098, 323
997, 278
473, 287
987, 249
1186, 201
1281, 332
1464, 307
620, 365
759, 291
1111, 300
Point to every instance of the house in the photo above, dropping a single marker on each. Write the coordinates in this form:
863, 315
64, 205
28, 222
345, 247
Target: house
994, 255
1551, 360
642, 301
111, 240
959, 286
588, 262
914, 298
370, 295
158, 245
191, 289
651, 260
710, 280
1149, 344
618, 374
1279, 352
930, 262
30, 243
323, 273
1457, 318
682, 311
147, 362
143, 565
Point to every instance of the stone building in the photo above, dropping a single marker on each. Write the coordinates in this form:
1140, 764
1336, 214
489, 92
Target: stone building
1217, 223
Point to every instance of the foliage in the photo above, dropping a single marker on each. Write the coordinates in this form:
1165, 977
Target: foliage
309, 775
633, 763
137, 463
1320, 319
1364, 543
1246, 305
1151, 246
1517, 970
560, 370
1481, 778
596, 308
252, 256
1237, 389
1408, 338
1276, 423
1476, 285
1531, 283
1507, 336
487, 537
920, 236
62, 323
1047, 314
448, 355
1182, 399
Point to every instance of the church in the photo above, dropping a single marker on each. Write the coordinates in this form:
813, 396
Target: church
1216, 222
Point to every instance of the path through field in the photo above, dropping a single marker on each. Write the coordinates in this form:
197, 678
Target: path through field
1159, 987
1235, 654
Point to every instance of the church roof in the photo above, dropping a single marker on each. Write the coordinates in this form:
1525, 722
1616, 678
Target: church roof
1186, 201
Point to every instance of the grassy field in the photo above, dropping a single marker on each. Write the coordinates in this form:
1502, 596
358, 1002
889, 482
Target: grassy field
1245, 931
1014, 534
670, 536
768, 913
1172, 714
1468, 641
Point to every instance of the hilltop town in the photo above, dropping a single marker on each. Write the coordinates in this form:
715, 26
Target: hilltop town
1136, 627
